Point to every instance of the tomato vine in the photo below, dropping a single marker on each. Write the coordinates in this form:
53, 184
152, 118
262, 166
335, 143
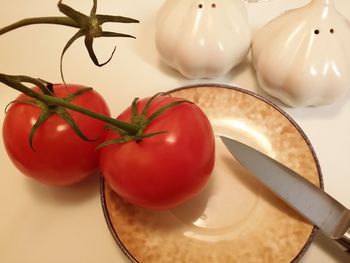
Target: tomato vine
90, 27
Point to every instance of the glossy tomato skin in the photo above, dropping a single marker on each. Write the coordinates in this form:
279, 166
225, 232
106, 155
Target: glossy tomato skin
167, 169
60, 157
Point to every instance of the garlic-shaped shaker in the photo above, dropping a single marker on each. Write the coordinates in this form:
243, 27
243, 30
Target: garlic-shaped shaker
302, 57
202, 38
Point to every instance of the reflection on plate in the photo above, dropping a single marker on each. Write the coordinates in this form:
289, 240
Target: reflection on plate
235, 218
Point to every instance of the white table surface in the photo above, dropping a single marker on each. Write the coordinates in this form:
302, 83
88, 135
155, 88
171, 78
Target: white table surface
44, 224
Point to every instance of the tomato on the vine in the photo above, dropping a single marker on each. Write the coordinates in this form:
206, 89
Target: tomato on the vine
166, 169
58, 156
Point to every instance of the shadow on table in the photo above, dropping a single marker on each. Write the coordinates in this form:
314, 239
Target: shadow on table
69, 195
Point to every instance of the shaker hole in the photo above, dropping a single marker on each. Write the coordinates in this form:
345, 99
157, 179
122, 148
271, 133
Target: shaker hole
332, 31
317, 31
213, 5
200, 6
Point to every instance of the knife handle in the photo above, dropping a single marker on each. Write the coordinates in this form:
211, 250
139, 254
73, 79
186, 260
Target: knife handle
344, 241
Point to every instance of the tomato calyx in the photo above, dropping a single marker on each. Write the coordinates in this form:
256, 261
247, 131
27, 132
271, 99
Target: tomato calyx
90, 27
48, 109
140, 120
15, 82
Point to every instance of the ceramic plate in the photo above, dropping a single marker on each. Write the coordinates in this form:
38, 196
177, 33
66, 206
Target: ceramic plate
235, 218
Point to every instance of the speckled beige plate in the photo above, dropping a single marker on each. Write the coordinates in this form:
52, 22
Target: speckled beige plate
235, 218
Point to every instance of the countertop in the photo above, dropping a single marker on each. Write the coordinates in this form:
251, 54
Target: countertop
44, 224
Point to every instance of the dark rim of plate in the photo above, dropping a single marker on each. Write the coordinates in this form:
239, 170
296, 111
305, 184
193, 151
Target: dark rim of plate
113, 231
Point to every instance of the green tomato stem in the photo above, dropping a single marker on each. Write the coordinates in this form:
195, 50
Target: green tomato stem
10, 81
57, 20
131, 129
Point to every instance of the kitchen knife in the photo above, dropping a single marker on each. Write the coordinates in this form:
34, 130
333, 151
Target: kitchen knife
319, 208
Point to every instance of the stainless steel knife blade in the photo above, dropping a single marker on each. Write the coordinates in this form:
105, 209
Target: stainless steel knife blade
319, 208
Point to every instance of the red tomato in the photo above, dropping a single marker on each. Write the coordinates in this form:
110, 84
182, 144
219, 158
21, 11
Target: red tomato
61, 157
167, 169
